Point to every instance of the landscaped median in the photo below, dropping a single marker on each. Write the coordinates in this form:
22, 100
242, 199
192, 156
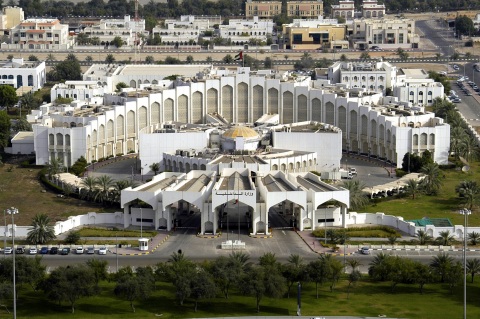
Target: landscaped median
114, 232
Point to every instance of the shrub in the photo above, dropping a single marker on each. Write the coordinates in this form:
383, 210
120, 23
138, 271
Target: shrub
73, 237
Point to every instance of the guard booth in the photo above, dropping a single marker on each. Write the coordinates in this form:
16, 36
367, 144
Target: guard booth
143, 244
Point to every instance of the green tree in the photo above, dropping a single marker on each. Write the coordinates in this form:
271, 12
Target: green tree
99, 269
32, 58
473, 267
423, 237
422, 275
8, 96
78, 168
228, 58
444, 238
431, 181
317, 272
380, 267
5, 126
120, 86
172, 60
155, 167
464, 25
71, 57
29, 101
149, 59
202, 286
358, 198
402, 54
104, 185
468, 55
70, 284
189, 59
474, 238
88, 187
209, 59
65, 70
22, 125
118, 42
132, 287
469, 192
73, 237
268, 63
469, 148
110, 58
293, 271
343, 57
365, 56
305, 62
41, 232
89, 58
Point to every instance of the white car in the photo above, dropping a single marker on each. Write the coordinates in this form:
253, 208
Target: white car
8, 250
102, 250
79, 250
365, 251
32, 251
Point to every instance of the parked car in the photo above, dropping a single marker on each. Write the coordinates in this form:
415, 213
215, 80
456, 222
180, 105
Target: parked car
20, 250
79, 250
53, 250
353, 170
90, 250
44, 250
102, 250
457, 100
32, 251
8, 250
365, 250
65, 251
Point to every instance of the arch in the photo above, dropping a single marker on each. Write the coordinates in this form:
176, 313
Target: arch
290, 167
432, 139
130, 122
168, 106
203, 167
272, 101
212, 101
162, 223
155, 113
51, 139
101, 134
415, 139
94, 137
195, 166
209, 227
283, 167
19, 81
130, 146
302, 108
227, 102
373, 128
316, 110
180, 166
110, 129
59, 139
381, 131
182, 109
274, 167
364, 125
120, 126
242, 103
329, 113
142, 117
187, 167
197, 107
353, 122
30, 80
133, 84
342, 119
423, 139
287, 107
257, 102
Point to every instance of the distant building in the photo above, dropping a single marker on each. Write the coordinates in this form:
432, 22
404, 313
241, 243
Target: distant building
304, 34
108, 29
18, 73
305, 9
241, 31
40, 34
263, 9
344, 9
185, 30
10, 17
372, 9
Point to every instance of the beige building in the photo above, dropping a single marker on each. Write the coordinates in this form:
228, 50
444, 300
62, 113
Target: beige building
40, 34
308, 34
305, 9
384, 33
10, 17
372, 9
263, 9
344, 9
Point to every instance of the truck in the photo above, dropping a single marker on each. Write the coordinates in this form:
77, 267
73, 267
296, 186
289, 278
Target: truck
345, 174
353, 170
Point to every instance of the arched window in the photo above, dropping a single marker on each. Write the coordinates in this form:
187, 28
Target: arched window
430, 93
412, 93
420, 93
415, 139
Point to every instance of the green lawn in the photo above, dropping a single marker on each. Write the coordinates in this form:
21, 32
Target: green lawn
445, 205
103, 232
367, 299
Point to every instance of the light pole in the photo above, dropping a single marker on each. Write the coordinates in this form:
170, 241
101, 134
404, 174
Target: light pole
116, 250
5, 232
141, 223
465, 212
12, 211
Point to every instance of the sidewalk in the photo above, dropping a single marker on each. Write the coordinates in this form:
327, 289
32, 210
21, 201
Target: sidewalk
153, 244
314, 244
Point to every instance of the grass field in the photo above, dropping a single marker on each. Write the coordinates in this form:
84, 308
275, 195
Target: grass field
444, 205
366, 299
22, 189
102, 232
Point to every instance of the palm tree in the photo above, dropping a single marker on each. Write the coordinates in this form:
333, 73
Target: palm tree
51, 57
110, 58
71, 57
209, 59
41, 232
432, 181
354, 264
55, 167
457, 134
423, 237
28, 101
89, 185
445, 238
155, 167
469, 191
118, 186
89, 58
473, 267
358, 198
474, 238
413, 187
469, 148
104, 184
441, 265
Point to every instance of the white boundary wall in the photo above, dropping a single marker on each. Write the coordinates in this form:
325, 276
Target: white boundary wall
353, 219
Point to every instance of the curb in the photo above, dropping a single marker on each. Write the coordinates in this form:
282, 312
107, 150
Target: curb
147, 252
209, 236
266, 236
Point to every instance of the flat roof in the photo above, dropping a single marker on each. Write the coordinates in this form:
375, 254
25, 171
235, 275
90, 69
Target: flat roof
162, 70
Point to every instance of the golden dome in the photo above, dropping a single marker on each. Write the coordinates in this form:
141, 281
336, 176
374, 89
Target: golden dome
240, 131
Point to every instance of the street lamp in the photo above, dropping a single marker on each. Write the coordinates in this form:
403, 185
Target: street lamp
465, 212
5, 232
12, 211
